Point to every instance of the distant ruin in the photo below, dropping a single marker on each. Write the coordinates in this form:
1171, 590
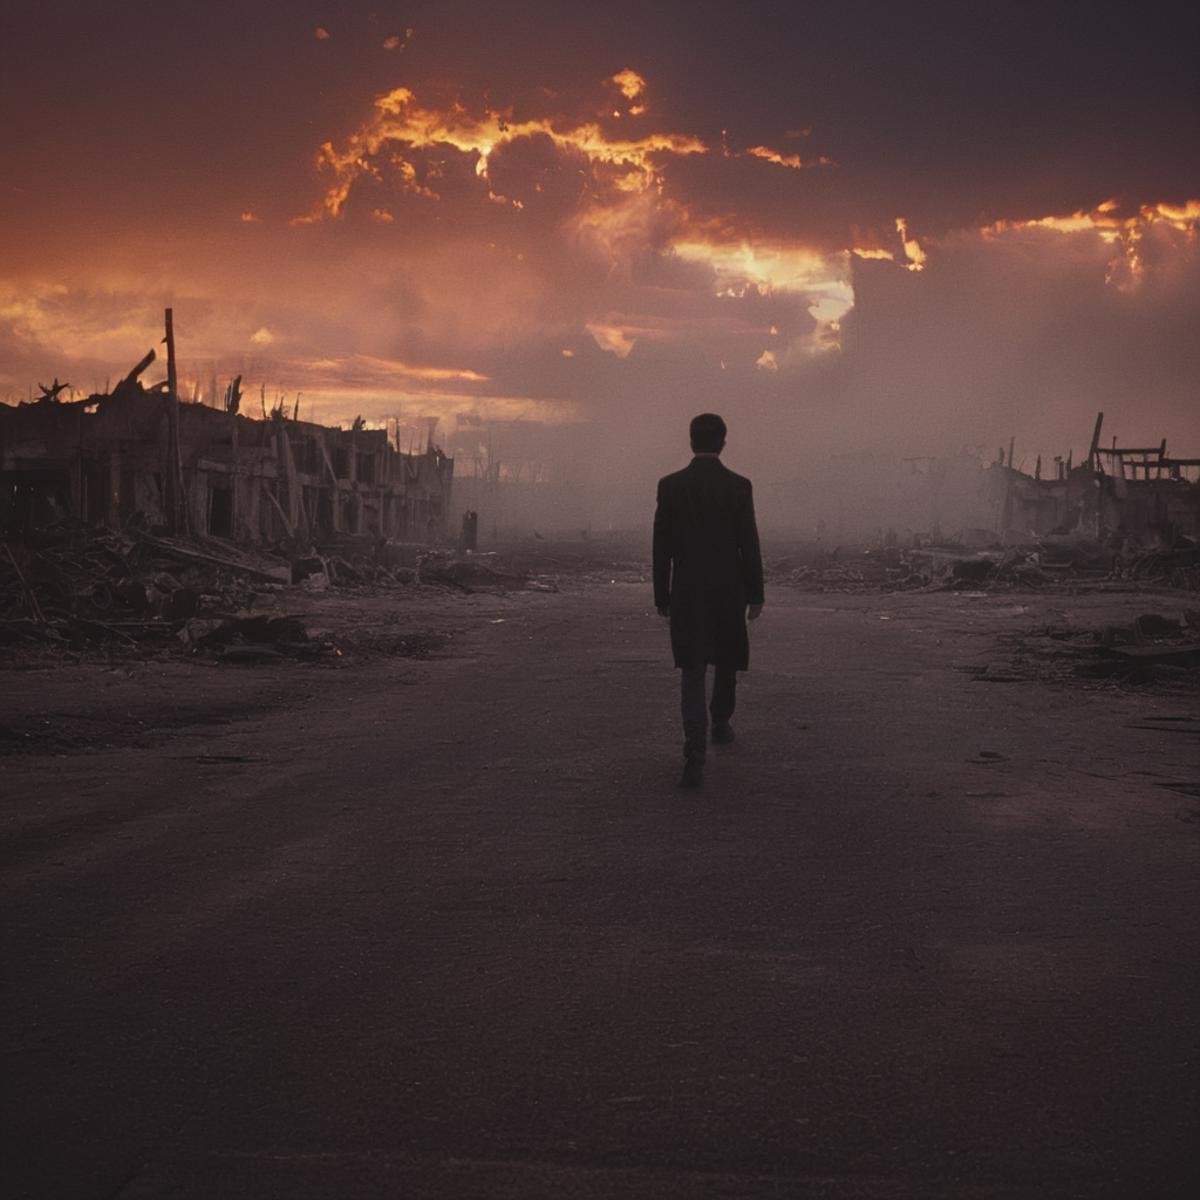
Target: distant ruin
1116, 495
1139, 495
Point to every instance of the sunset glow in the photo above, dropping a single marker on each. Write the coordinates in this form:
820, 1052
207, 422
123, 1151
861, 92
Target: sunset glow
413, 135
1124, 233
416, 219
632, 85
793, 161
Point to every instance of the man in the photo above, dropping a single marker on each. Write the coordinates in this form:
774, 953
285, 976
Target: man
707, 580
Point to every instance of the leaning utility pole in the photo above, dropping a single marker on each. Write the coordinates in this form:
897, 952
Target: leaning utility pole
1093, 455
176, 500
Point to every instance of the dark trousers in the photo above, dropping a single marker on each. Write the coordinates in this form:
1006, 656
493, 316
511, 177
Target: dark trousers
692, 704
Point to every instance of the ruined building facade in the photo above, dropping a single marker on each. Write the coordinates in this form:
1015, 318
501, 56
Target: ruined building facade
107, 460
1136, 495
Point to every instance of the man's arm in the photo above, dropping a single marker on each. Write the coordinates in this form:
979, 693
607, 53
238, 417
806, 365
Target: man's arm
752, 568
663, 550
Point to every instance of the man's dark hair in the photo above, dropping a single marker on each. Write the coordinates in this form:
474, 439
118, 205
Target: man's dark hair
707, 433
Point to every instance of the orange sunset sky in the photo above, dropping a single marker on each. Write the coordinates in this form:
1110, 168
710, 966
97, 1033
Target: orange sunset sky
857, 227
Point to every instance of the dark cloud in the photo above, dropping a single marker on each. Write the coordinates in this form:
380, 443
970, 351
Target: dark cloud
547, 180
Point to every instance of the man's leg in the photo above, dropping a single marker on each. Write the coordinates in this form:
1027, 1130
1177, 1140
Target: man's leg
724, 700
692, 706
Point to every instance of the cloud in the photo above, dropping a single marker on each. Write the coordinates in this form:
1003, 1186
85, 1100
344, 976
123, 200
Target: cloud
912, 248
406, 140
792, 161
56, 321
630, 83
613, 338
631, 88
1124, 232
1021, 331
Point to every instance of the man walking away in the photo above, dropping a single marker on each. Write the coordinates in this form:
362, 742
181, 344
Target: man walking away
707, 580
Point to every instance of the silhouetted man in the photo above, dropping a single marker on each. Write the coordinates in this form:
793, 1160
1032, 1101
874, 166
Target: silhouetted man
707, 579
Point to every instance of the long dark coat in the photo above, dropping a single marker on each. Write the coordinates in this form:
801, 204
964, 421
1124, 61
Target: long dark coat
707, 562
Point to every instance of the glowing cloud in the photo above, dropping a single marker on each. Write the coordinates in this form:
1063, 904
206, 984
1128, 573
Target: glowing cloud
401, 126
765, 266
321, 34
612, 338
375, 371
791, 161
633, 88
748, 269
399, 121
1182, 217
73, 325
1101, 219
912, 248
1126, 268
630, 83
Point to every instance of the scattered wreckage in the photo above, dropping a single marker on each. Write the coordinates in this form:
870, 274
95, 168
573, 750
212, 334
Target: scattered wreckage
1159, 648
73, 587
950, 566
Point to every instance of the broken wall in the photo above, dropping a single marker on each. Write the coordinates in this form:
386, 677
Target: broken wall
105, 460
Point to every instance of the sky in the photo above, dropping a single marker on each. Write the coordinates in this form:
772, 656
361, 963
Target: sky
853, 229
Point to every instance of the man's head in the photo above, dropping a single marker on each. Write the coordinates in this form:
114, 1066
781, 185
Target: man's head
707, 433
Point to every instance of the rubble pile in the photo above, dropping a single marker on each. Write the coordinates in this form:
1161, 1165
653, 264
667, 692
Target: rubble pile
934, 568
256, 638
478, 572
1073, 560
71, 586
950, 566
1155, 648
316, 570
951, 569
831, 572
1178, 567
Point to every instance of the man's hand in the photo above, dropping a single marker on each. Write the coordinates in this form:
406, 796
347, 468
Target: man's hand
664, 611
753, 612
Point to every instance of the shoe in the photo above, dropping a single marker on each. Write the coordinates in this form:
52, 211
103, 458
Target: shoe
693, 773
722, 734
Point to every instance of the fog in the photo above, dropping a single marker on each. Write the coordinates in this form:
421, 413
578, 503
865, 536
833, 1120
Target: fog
1019, 338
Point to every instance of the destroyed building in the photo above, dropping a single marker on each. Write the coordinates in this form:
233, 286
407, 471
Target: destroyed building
1117, 495
137, 454
1137, 495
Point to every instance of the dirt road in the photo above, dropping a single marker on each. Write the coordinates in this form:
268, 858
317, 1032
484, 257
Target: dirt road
445, 927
